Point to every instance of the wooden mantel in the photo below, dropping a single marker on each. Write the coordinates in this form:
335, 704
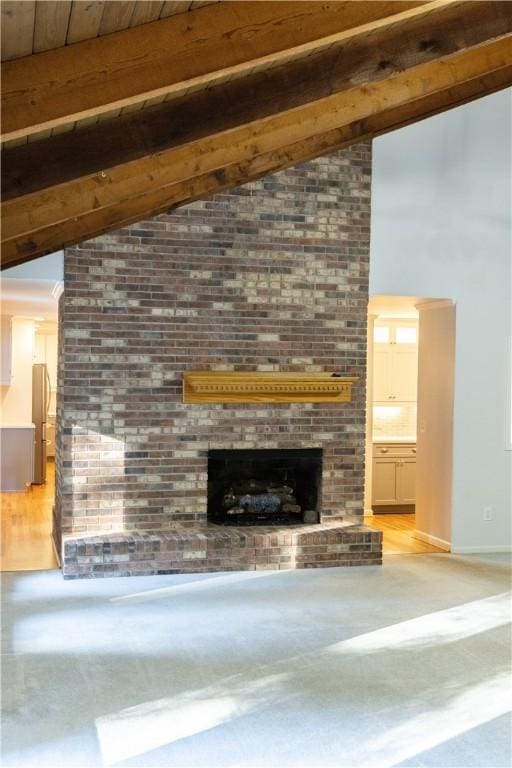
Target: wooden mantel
260, 387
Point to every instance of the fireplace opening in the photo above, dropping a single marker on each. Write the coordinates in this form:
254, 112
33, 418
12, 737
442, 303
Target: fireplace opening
264, 487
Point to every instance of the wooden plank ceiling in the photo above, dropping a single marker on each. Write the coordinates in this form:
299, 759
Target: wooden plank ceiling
31, 27
116, 111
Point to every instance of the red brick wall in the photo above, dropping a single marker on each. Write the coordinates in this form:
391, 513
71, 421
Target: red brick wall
271, 276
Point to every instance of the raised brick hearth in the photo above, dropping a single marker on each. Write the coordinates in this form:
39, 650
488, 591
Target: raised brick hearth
271, 277
220, 548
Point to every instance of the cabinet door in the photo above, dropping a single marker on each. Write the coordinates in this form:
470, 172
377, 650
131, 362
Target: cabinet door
39, 348
404, 373
395, 361
407, 481
381, 373
384, 481
6, 359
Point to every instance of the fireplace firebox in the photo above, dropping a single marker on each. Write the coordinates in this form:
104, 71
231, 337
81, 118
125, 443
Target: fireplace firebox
264, 486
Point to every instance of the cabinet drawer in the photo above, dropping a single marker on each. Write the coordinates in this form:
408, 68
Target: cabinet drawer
395, 450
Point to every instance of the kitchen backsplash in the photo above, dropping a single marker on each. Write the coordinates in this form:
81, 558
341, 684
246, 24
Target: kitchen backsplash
394, 420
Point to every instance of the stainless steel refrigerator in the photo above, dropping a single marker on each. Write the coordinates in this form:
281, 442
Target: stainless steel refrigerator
40, 405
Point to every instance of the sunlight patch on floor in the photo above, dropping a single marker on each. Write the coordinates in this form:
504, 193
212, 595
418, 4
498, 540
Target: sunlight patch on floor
145, 727
470, 709
193, 586
445, 626
140, 729
136, 730
74, 632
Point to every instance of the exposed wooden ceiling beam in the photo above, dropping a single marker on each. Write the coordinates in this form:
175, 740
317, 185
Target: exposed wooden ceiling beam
169, 56
79, 209
369, 56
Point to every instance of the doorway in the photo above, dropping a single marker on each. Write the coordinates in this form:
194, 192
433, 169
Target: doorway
411, 350
28, 415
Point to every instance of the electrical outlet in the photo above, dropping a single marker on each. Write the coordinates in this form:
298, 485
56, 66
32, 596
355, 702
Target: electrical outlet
488, 514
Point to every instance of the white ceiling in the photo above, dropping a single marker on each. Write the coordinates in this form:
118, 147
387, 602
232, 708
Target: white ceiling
30, 298
394, 306
33, 289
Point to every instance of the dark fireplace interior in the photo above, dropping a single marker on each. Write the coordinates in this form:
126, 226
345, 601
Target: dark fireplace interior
264, 487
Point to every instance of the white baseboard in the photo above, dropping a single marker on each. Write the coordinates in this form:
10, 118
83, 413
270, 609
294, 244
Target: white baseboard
483, 549
434, 540
55, 551
368, 512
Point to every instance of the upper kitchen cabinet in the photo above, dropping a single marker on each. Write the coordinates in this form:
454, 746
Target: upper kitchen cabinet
6, 356
395, 361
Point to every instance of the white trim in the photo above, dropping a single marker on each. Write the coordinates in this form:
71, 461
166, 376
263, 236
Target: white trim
368, 512
434, 540
482, 549
508, 401
434, 304
56, 551
58, 290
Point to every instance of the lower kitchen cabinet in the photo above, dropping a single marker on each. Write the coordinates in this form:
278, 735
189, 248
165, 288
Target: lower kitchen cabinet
394, 475
407, 481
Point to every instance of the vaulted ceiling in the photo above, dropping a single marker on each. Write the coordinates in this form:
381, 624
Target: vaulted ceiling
115, 111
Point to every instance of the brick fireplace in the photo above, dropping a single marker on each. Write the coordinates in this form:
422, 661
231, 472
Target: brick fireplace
271, 277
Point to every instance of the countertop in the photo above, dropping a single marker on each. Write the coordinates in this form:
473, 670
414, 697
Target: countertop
394, 439
17, 426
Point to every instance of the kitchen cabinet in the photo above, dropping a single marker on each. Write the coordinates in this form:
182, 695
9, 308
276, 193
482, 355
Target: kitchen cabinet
395, 361
6, 350
16, 457
394, 475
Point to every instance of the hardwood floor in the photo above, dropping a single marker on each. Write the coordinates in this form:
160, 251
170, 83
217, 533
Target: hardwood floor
26, 543
398, 534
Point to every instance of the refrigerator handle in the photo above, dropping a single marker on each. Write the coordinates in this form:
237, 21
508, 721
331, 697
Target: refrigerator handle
48, 394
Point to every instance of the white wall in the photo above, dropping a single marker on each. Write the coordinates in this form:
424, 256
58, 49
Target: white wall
434, 440
50, 267
17, 398
441, 227
368, 451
